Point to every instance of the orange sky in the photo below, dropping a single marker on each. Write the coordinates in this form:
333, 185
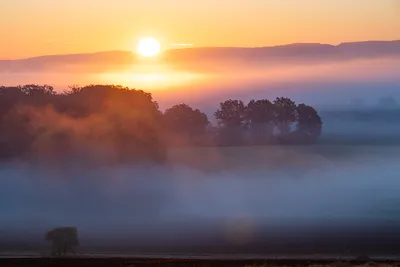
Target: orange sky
39, 27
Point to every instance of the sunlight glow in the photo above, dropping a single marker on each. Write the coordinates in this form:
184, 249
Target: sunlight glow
148, 47
151, 81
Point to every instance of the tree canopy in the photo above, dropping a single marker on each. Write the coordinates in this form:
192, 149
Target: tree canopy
112, 122
285, 113
63, 240
183, 119
260, 116
119, 124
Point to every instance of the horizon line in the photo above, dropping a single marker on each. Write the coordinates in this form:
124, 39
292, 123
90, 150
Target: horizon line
202, 47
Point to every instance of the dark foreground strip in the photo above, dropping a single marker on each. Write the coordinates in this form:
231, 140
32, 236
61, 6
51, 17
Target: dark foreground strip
120, 262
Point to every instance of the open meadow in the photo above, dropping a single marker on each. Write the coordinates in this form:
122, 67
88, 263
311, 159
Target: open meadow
272, 200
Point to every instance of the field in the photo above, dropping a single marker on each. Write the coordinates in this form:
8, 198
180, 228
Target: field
111, 262
273, 200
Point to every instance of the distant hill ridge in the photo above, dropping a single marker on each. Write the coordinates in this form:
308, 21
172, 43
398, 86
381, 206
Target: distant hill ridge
304, 52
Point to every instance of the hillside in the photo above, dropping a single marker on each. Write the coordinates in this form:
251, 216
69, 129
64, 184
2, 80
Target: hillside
205, 57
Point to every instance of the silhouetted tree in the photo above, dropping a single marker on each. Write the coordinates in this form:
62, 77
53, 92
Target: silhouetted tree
133, 120
16, 135
88, 100
63, 240
185, 122
260, 116
285, 113
309, 123
231, 117
34, 89
183, 119
232, 113
124, 123
9, 98
16, 103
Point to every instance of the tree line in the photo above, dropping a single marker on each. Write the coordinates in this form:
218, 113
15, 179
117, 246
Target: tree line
116, 123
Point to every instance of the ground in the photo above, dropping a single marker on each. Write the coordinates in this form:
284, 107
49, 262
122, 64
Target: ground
184, 263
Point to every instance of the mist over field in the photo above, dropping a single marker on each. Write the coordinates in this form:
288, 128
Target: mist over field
220, 197
256, 199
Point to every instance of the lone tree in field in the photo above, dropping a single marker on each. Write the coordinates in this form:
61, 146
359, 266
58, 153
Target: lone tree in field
63, 240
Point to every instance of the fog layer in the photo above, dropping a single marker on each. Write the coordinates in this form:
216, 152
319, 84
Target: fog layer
333, 186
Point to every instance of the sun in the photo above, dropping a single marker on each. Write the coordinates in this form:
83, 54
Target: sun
148, 47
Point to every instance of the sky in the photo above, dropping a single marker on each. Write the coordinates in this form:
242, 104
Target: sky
42, 27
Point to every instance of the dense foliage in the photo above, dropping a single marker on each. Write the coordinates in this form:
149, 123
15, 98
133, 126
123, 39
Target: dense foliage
117, 124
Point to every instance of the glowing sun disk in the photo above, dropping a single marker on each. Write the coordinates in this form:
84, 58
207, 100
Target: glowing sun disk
148, 47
